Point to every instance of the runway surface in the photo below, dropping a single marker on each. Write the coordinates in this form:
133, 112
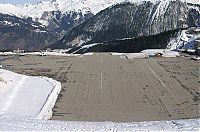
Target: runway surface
102, 87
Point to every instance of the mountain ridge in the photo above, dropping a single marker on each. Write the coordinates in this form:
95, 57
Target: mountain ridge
144, 19
79, 28
62, 15
23, 34
35, 11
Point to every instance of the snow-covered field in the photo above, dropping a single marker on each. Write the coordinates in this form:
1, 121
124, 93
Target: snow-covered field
16, 124
143, 54
136, 55
149, 53
164, 52
56, 53
27, 97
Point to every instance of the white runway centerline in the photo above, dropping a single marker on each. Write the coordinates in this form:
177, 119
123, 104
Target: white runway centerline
101, 82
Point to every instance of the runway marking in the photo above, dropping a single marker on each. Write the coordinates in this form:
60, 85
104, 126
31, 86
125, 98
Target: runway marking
101, 82
161, 82
168, 90
101, 75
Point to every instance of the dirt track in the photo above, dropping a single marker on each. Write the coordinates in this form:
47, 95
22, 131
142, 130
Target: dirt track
109, 88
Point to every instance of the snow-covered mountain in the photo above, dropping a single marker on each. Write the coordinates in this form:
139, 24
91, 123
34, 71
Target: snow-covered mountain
23, 33
61, 16
185, 40
36, 11
58, 15
132, 27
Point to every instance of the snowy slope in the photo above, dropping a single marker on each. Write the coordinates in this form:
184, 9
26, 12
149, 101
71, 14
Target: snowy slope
37, 10
27, 97
10, 9
185, 40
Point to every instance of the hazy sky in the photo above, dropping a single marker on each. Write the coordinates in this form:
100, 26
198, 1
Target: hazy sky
20, 1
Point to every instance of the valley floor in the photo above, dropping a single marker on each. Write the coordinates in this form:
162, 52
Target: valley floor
104, 87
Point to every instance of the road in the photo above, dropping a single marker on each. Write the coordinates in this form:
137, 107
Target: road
102, 87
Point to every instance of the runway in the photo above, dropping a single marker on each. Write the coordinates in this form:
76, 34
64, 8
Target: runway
102, 87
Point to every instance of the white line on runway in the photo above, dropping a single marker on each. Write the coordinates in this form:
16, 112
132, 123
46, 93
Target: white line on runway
101, 75
161, 82
101, 81
166, 88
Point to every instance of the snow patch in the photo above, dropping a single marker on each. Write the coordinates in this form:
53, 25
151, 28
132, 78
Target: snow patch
161, 9
46, 112
27, 97
89, 46
186, 40
115, 53
89, 53
136, 55
163, 52
16, 124
43, 53
40, 31
85, 47
148, 53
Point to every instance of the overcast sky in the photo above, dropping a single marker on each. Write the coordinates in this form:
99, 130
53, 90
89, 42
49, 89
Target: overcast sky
20, 1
